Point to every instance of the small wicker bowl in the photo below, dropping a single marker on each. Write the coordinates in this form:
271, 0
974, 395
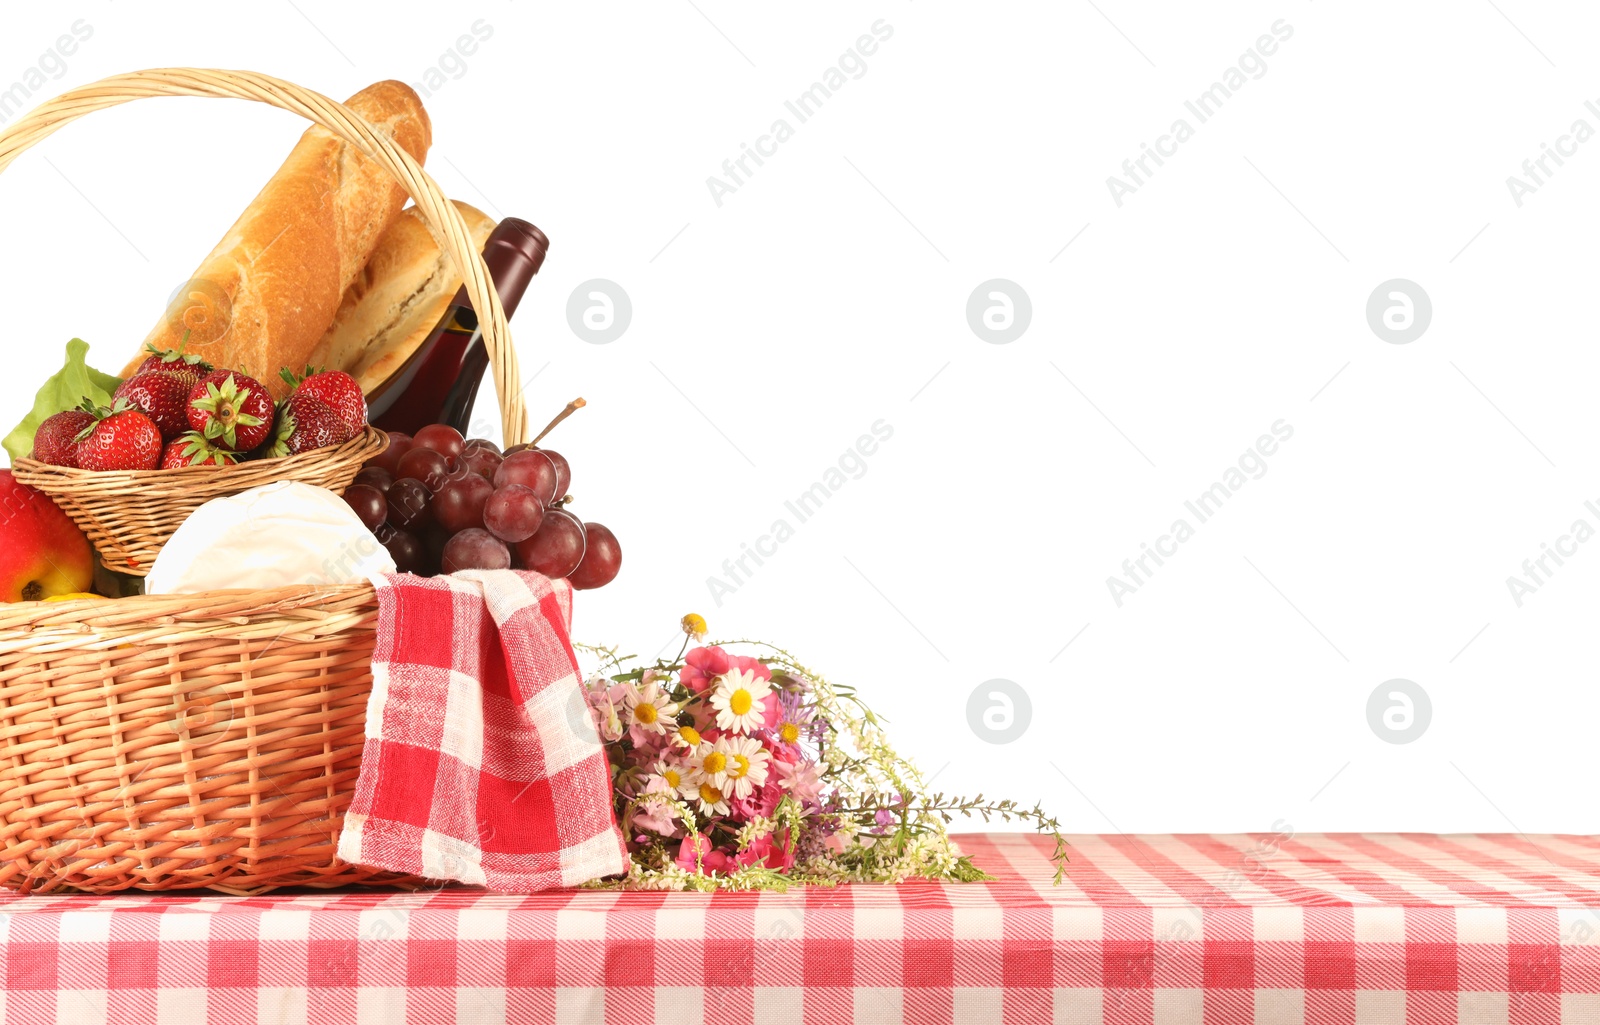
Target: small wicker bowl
130, 514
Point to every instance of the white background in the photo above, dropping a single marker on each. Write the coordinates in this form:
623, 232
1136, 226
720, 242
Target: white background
830, 290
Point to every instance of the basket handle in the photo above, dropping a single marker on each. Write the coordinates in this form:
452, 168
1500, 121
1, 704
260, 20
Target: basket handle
442, 217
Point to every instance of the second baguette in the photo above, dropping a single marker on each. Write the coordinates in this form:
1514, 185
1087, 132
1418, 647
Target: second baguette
397, 301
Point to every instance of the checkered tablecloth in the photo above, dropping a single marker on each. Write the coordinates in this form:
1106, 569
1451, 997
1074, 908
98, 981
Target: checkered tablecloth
1209, 930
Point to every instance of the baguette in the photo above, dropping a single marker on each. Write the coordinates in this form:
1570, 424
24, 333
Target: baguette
269, 290
397, 301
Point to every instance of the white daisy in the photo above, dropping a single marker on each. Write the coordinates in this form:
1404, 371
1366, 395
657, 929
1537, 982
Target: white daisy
739, 698
747, 763
712, 800
672, 774
709, 764
648, 711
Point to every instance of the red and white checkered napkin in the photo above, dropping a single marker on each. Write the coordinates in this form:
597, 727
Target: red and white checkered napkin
481, 763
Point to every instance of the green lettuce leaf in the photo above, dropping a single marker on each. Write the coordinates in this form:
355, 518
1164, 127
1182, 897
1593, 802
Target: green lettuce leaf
73, 383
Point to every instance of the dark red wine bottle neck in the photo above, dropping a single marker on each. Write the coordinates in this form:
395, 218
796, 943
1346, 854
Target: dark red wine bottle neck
439, 384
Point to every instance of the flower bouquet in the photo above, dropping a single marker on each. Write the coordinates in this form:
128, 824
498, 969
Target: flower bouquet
750, 771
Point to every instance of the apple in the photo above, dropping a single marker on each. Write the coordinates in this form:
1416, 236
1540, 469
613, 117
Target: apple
42, 552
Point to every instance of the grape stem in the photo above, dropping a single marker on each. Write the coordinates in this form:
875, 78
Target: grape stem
572, 407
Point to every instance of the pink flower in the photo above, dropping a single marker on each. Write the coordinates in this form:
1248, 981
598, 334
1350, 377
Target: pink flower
762, 801
837, 842
801, 779
701, 666
648, 748
749, 665
759, 851
604, 703
772, 850
782, 856
885, 817
655, 816
697, 856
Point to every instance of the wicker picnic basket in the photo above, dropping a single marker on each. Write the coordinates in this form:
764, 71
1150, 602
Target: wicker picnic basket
211, 740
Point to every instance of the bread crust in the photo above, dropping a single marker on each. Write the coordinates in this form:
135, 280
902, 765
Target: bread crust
397, 300
266, 294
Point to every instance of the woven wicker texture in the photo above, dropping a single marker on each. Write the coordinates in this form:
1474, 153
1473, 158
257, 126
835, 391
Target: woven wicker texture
176, 742
179, 741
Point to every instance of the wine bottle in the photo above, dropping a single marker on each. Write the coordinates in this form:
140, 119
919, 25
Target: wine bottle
439, 383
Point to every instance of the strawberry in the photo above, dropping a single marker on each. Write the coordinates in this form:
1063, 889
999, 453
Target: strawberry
121, 438
337, 389
305, 423
174, 361
162, 396
56, 441
231, 410
192, 449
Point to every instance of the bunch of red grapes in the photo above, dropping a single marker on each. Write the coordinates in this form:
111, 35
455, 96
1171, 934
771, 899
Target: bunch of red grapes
440, 503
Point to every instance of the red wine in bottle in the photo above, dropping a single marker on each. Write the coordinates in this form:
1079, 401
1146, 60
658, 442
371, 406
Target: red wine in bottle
439, 383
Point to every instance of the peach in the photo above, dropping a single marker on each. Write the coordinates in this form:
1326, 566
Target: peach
42, 552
